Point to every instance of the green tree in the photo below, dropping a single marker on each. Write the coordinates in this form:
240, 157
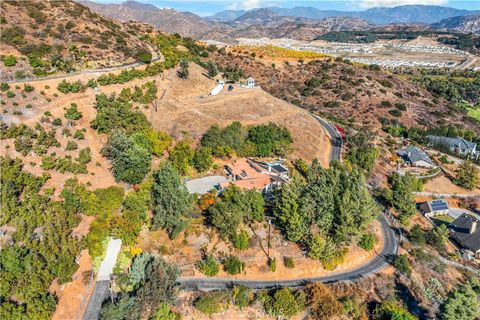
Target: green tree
181, 156
467, 175
202, 159
462, 303
241, 240
283, 303
212, 68
437, 237
367, 241
171, 200
287, 211
391, 310
417, 235
402, 195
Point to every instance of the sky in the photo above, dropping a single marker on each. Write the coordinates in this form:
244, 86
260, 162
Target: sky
209, 7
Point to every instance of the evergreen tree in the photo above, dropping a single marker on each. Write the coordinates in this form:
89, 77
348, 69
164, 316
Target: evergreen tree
171, 200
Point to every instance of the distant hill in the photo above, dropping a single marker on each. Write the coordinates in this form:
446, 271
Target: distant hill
64, 36
166, 20
463, 24
225, 16
400, 14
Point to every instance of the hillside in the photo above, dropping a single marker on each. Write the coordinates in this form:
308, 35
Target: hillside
351, 94
51, 36
461, 24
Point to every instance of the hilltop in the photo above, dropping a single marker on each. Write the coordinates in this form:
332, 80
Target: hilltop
50, 36
363, 96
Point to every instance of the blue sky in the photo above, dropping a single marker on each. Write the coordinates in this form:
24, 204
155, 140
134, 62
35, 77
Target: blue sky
209, 7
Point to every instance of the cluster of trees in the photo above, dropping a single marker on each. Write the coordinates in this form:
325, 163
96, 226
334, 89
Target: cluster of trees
147, 291
32, 258
467, 176
463, 302
138, 94
328, 211
362, 152
131, 140
401, 197
233, 208
70, 87
258, 140
27, 139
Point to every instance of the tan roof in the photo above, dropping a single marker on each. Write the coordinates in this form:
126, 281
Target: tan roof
251, 178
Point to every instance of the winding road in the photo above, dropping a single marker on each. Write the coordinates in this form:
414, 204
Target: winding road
381, 260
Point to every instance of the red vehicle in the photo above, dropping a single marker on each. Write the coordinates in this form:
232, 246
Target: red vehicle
341, 131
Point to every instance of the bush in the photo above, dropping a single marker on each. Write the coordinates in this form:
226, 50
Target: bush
367, 242
211, 302
288, 262
283, 303
242, 296
395, 112
67, 87
272, 265
241, 240
72, 113
71, 145
402, 264
9, 60
4, 86
57, 122
233, 266
208, 266
322, 302
143, 56
391, 309
28, 88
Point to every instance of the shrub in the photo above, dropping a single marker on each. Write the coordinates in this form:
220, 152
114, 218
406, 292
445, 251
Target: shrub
211, 302
72, 113
288, 262
57, 122
233, 266
4, 86
208, 266
10, 94
28, 88
241, 240
367, 242
143, 56
242, 296
9, 60
71, 145
395, 112
67, 87
322, 302
402, 264
272, 265
79, 135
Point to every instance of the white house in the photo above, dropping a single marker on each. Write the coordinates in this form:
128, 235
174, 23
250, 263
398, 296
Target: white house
218, 88
250, 82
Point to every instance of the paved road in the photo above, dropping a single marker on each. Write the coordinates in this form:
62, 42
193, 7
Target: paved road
155, 57
389, 250
101, 290
335, 138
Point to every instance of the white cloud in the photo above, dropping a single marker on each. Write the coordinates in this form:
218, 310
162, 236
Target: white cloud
393, 3
245, 4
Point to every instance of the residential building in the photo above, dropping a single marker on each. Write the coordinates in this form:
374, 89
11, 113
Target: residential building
456, 145
465, 231
250, 82
416, 157
250, 174
434, 208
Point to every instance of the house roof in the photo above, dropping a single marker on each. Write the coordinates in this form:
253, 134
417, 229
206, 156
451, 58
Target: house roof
413, 154
437, 205
460, 228
249, 173
458, 143
250, 79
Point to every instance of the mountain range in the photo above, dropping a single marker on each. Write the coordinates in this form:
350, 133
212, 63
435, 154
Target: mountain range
302, 23
401, 14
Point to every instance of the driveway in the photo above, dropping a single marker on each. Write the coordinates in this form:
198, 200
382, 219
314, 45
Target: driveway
205, 184
457, 212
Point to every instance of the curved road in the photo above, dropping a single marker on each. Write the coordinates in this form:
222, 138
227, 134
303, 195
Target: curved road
381, 260
389, 250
